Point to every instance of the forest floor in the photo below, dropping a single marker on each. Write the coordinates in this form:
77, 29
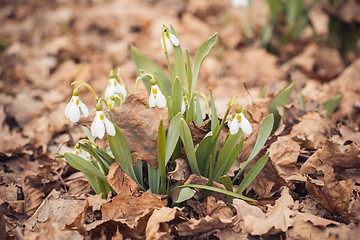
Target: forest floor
309, 189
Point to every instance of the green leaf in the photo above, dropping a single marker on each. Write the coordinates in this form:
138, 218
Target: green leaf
234, 153
214, 189
88, 134
83, 165
281, 99
154, 179
331, 105
138, 172
179, 67
198, 112
172, 136
185, 194
93, 181
225, 153
186, 138
254, 171
226, 181
161, 148
199, 58
264, 133
188, 69
142, 62
214, 117
302, 102
177, 97
203, 151
122, 154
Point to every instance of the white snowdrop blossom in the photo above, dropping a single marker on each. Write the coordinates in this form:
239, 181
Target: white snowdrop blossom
114, 88
170, 39
100, 124
72, 110
184, 104
240, 3
157, 98
239, 121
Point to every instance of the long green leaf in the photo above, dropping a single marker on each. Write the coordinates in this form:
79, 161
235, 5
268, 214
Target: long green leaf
198, 111
83, 165
199, 58
122, 154
214, 189
214, 117
203, 151
234, 153
177, 97
154, 179
264, 133
142, 62
226, 181
172, 138
93, 182
179, 66
88, 134
281, 99
188, 70
186, 138
161, 148
254, 171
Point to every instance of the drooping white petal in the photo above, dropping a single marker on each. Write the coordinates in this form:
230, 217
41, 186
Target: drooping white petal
167, 43
183, 107
121, 90
160, 100
174, 39
74, 112
67, 109
245, 124
110, 129
234, 126
84, 109
240, 3
152, 100
156, 98
98, 127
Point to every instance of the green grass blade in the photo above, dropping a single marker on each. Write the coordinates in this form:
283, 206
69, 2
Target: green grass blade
264, 133
122, 154
142, 62
199, 58
172, 138
225, 153
331, 105
254, 171
154, 179
214, 189
179, 67
203, 151
185, 194
214, 117
83, 165
281, 99
177, 97
161, 148
226, 181
186, 138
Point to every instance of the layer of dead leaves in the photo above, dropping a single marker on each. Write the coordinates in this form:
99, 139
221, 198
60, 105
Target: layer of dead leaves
309, 189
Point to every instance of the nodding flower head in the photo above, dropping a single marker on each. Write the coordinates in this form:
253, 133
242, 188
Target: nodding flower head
101, 123
184, 104
156, 98
239, 122
72, 110
170, 39
114, 88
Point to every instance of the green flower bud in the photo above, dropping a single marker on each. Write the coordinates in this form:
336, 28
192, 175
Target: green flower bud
238, 109
152, 81
99, 106
111, 74
76, 92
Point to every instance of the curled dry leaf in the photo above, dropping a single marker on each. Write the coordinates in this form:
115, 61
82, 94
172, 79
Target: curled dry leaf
284, 154
128, 207
219, 216
77, 184
120, 181
278, 218
140, 126
334, 155
311, 130
157, 227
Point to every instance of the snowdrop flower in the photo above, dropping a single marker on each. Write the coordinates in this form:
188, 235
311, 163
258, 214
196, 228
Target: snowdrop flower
72, 110
184, 104
114, 88
239, 121
157, 98
101, 123
240, 3
170, 39
80, 152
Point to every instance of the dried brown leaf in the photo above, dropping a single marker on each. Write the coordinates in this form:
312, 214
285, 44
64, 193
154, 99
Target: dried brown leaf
120, 181
157, 227
139, 126
277, 218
